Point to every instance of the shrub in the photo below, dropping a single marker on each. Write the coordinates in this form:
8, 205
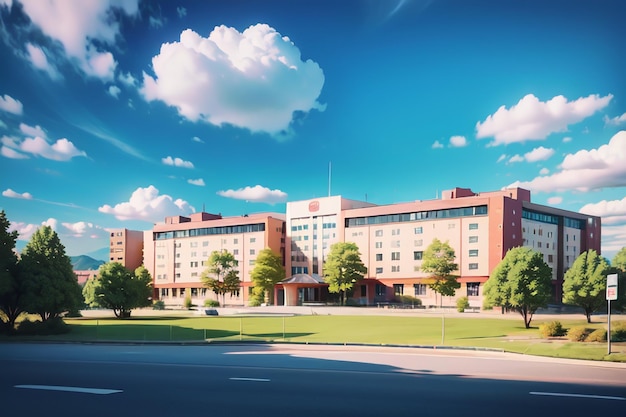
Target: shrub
51, 326
187, 303
618, 331
598, 335
211, 303
552, 329
158, 305
73, 313
407, 299
462, 304
578, 334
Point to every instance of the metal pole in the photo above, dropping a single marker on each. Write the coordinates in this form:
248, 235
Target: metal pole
283, 327
443, 326
240, 328
608, 332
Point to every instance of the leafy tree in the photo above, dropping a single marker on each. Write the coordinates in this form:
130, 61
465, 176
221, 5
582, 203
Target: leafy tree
268, 271
521, 281
343, 267
50, 283
221, 275
618, 266
11, 300
619, 260
119, 289
438, 261
584, 284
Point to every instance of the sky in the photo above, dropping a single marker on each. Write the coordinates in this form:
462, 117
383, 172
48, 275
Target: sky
118, 113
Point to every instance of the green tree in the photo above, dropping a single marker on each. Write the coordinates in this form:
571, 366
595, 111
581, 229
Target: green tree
619, 260
268, 271
50, 283
11, 290
618, 266
521, 281
584, 284
343, 267
119, 289
438, 261
221, 275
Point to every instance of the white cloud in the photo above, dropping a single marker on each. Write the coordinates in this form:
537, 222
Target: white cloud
61, 150
84, 28
25, 230
516, 158
11, 105
553, 201
544, 171
197, 139
182, 12
38, 58
458, 141
502, 158
32, 132
127, 79
437, 145
613, 238
586, 170
567, 139
176, 162
612, 212
12, 194
86, 229
531, 119
199, 182
114, 91
615, 121
254, 80
146, 204
539, 154
256, 194
12, 153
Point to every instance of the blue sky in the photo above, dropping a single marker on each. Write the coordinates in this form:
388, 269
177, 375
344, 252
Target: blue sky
118, 113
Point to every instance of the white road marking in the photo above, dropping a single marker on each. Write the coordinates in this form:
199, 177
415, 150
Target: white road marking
250, 379
564, 394
97, 391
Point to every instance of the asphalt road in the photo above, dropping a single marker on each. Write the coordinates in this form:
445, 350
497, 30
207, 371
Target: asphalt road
282, 380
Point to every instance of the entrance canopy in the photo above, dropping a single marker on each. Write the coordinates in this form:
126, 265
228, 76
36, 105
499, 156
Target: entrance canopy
303, 279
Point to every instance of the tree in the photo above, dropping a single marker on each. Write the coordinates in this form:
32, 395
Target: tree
618, 266
268, 271
619, 260
584, 284
438, 261
51, 287
521, 281
343, 267
11, 300
119, 289
221, 275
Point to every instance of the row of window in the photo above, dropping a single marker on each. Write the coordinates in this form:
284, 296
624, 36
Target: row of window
418, 255
552, 219
420, 289
204, 231
419, 215
396, 268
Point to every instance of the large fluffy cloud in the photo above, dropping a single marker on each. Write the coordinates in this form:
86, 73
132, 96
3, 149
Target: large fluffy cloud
25, 230
532, 119
257, 194
146, 204
61, 150
11, 105
586, 169
255, 80
86, 229
612, 212
13, 194
84, 28
177, 162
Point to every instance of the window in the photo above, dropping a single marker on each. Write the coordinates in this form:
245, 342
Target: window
550, 258
418, 255
473, 226
419, 230
418, 242
395, 244
173, 292
379, 270
395, 232
177, 265
398, 289
473, 252
235, 241
472, 289
395, 256
473, 239
473, 266
236, 252
193, 264
451, 225
379, 245
193, 244
165, 292
252, 239
194, 292
379, 233
252, 252
205, 243
379, 256
395, 268
380, 290
419, 289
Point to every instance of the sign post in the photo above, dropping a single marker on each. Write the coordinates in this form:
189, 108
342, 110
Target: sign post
611, 294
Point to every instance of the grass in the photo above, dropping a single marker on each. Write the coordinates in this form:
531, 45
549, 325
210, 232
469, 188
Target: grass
507, 335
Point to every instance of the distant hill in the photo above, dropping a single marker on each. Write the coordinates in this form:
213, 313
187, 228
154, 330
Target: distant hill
84, 263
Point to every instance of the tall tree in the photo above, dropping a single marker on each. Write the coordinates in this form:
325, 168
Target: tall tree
221, 275
521, 281
119, 289
11, 300
438, 261
619, 260
268, 271
584, 284
343, 267
51, 285
618, 266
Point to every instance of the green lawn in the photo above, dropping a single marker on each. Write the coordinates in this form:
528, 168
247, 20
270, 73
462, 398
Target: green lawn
507, 335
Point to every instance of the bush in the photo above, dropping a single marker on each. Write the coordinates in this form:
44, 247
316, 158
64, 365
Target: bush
618, 331
158, 305
211, 303
51, 326
578, 334
187, 303
407, 299
462, 304
73, 313
552, 329
598, 335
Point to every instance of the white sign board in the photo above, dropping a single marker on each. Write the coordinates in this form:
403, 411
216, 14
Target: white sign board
611, 287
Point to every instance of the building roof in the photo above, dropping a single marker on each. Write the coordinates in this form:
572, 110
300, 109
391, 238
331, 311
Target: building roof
303, 279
